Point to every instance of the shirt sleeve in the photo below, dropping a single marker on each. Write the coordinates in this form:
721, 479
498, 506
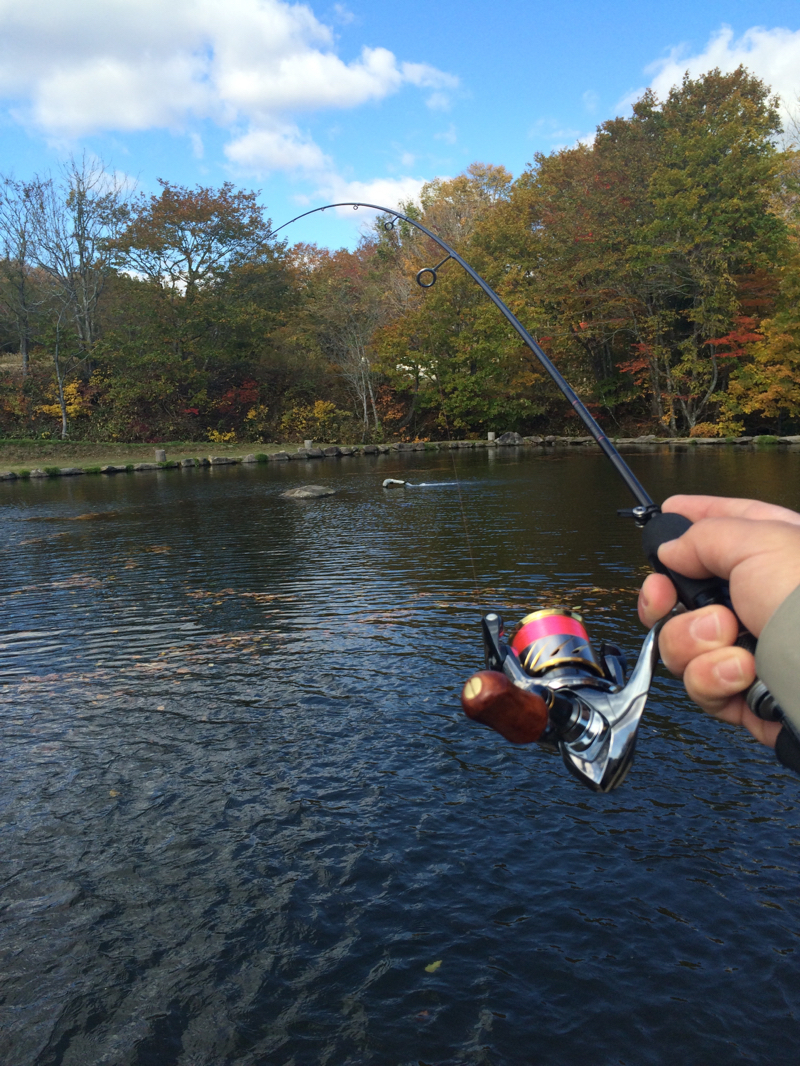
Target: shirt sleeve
778, 656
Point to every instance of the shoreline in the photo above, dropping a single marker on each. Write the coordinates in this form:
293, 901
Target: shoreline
340, 451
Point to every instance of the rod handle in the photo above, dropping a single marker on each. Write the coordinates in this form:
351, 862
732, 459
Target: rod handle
491, 699
692, 592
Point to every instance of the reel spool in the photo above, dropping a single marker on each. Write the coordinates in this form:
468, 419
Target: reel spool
548, 685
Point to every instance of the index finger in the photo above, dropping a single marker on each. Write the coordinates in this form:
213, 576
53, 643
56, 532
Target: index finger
697, 507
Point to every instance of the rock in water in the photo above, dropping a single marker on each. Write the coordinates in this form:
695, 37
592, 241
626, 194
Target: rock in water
308, 492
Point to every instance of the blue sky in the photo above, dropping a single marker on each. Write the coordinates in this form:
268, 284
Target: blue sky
351, 100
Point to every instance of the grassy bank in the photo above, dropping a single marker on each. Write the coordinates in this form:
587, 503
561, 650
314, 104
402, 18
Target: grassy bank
15, 454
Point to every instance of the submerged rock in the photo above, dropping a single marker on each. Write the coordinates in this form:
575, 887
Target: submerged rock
308, 492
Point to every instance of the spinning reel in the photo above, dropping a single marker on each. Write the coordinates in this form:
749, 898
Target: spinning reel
547, 684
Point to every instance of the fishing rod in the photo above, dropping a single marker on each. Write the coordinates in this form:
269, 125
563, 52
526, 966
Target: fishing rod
544, 682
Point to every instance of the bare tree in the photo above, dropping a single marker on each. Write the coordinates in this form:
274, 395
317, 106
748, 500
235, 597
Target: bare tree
19, 298
77, 217
352, 307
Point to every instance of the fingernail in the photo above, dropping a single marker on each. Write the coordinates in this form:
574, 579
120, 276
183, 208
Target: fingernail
729, 671
644, 603
705, 627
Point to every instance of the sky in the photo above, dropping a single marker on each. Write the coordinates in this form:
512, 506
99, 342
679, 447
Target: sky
359, 100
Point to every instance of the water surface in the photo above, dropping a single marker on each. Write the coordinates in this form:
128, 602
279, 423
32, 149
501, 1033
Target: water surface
243, 816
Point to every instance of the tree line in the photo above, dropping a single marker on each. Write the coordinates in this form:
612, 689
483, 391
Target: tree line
659, 267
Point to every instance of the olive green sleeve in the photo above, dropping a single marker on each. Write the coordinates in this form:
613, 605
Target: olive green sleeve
778, 656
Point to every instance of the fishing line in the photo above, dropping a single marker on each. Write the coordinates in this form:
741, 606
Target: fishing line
461, 502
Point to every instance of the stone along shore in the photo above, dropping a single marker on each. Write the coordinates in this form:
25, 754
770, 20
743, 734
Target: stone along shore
334, 451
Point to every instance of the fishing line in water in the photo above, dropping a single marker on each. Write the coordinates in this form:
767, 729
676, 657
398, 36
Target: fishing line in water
463, 512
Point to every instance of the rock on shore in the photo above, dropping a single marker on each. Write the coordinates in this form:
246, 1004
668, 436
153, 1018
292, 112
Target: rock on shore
308, 492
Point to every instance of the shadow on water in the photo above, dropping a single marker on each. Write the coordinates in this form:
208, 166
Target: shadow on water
245, 823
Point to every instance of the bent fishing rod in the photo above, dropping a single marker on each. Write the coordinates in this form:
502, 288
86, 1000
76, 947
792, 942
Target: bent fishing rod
544, 681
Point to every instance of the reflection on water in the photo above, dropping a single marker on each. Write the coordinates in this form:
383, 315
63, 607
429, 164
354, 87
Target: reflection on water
243, 815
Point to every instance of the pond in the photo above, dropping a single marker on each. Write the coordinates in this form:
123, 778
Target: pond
245, 822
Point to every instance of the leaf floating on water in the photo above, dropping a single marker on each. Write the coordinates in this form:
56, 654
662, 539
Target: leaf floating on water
78, 581
113, 793
432, 967
92, 516
159, 549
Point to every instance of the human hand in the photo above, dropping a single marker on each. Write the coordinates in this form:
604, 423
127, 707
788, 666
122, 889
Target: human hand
756, 548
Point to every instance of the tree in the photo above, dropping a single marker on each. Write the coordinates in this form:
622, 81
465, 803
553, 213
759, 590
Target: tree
186, 239
445, 350
350, 306
20, 297
635, 246
766, 382
76, 218
198, 338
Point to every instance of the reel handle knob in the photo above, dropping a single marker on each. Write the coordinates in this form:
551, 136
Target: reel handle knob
491, 699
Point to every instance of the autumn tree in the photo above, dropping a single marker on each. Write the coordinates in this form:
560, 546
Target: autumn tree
349, 304
765, 384
634, 246
210, 293
186, 239
445, 348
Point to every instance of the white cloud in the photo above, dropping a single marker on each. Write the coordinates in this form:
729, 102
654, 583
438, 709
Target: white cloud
343, 14
90, 66
280, 147
384, 192
772, 55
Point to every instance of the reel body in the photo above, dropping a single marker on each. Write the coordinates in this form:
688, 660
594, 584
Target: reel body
557, 690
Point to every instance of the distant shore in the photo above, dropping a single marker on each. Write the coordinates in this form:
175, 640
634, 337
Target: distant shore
20, 460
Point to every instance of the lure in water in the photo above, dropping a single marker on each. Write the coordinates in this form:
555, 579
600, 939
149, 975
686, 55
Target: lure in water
390, 482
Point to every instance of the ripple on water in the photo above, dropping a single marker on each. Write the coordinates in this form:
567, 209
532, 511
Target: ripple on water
243, 818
